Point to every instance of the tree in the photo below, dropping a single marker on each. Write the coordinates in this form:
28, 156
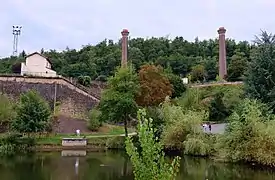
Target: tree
237, 67
217, 109
198, 73
178, 86
154, 86
260, 76
33, 113
118, 100
150, 163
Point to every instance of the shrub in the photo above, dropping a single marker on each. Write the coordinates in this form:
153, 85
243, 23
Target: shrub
250, 135
33, 114
150, 163
6, 109
94, 123
116, 143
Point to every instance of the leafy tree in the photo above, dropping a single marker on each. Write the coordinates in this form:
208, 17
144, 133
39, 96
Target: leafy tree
217, 109
101, 60
178, 86
150, 163
198, 73
154, 86
260, 77
84, 80
118, 100
33, 114
237, 67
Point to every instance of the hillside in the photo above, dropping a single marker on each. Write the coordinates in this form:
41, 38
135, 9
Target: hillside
100, 61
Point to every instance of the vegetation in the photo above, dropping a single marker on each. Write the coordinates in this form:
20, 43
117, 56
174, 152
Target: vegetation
33, 114
250, 135
150, 163
100, 61
94, 121
154, 86
118, 100
6, 110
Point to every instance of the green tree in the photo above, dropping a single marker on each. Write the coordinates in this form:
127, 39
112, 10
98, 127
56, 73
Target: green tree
33, 114
237, 67
198, 73
118, 100
260, 77
178, 86
150, 163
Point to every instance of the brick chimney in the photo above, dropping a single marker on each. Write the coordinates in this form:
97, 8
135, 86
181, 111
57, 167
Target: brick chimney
124, 45
222, 53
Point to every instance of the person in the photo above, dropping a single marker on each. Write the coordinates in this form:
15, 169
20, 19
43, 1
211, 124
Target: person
204, 127
78, 132
210, 127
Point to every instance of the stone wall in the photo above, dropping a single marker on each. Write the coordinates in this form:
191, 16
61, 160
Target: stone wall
72, 99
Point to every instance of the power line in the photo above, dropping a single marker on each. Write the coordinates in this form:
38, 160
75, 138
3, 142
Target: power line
16, 31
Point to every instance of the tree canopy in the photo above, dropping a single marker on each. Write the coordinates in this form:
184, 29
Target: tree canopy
100, 61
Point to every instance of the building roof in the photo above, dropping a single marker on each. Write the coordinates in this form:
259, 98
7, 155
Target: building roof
40, 55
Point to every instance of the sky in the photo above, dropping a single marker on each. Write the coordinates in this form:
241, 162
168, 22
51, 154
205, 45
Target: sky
56, 24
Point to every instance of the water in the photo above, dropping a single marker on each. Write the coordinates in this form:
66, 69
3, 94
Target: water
115, 166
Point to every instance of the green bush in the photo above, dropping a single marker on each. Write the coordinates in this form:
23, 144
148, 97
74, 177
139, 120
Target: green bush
33, 114
6, 109
150, 163
116, 143
250, 135
84, 80
94, 123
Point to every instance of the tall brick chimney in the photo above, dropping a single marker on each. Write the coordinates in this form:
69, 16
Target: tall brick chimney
222, 53
124, 45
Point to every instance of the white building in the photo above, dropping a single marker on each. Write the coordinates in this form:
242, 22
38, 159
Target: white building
37, 65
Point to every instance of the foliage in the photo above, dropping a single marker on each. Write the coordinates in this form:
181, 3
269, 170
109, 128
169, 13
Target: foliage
15, 143
118, 100
94, 121
100, 61
250, 135
178, 86
154, 86
117, 142
84, 80
237, 67
150, 163
183, 130
198, 73
260, 77
158, 121
191, 99
33, 114
6, 109
217, 109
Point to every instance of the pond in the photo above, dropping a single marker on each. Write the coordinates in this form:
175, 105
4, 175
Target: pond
115, 166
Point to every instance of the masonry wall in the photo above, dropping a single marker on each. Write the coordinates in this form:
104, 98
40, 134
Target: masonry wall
73, 101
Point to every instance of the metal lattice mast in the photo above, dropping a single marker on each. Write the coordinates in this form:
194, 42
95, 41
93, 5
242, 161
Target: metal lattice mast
16, 31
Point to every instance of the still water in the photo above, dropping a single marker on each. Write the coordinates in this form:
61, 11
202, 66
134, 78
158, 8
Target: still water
115, 166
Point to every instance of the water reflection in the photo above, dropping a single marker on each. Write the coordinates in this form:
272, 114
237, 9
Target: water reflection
115, 166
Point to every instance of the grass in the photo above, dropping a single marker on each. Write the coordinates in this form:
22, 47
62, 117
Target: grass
99, 138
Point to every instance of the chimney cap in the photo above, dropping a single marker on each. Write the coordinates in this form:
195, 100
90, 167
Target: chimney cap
221, 30
125, 32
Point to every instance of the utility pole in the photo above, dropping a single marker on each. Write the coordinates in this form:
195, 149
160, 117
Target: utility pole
16, 31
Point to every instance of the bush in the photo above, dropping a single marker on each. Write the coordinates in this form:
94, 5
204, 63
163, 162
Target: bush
94, 123
250, 135
16, 143
33, 114
150, 163
178, 86
84, 80
116, 143
6, 109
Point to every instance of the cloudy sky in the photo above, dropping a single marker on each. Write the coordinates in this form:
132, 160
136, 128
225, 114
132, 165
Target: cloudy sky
55, 24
